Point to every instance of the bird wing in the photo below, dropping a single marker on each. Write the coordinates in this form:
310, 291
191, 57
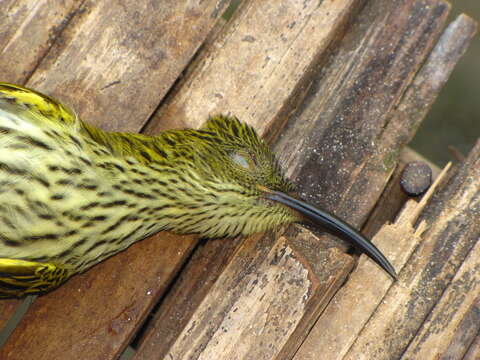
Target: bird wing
34, 106
20, 277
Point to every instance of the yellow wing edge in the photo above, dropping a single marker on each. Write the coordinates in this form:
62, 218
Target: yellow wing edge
36, 103
19, 278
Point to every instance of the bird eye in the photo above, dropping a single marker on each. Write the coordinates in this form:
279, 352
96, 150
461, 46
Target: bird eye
243, 159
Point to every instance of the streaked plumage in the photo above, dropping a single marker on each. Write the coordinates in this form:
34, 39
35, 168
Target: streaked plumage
72, 195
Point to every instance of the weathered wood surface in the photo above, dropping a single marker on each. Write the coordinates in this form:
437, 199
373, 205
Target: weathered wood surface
115, 62
257, 66
455, 320
255, 290
453, 231
336, 334
473, 352
28, 30
416, 102
452, 324
267, 283
400, 312
346, 156
420, 35
350, 309
462, 342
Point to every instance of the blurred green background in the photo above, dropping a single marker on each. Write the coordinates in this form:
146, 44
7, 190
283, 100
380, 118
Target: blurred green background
454, 120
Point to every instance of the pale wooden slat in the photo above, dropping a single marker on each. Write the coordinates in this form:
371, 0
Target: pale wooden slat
116, 60
256, 67
453, 230
420, 97
28, 29
275, 303
262, 275
191, 286
444, 324
251, 308
473, 352
337, 329
466, 333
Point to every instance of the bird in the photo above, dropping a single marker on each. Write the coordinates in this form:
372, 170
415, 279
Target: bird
72, 195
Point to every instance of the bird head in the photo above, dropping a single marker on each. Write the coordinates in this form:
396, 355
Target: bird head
249, 190
236, 154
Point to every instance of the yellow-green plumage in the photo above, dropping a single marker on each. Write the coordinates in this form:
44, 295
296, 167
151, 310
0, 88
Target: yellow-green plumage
72, 195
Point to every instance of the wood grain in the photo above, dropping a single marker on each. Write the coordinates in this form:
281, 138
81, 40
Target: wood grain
258, 65
343, 137
29, 28
452, 233
117, 60
402, 122
455, 319
473, 352
252, 307
337, 329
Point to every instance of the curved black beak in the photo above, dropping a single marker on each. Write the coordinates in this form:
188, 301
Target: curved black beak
334, 226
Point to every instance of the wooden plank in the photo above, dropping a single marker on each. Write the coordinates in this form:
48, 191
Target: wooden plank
418, 99
344, 137
465, 335
259, 65
337, 329
329, 332
85, 319
116, 61
29, 27
261, 294
190, 322
473, 352
445, 330
330, 268
453, 231
192, 285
